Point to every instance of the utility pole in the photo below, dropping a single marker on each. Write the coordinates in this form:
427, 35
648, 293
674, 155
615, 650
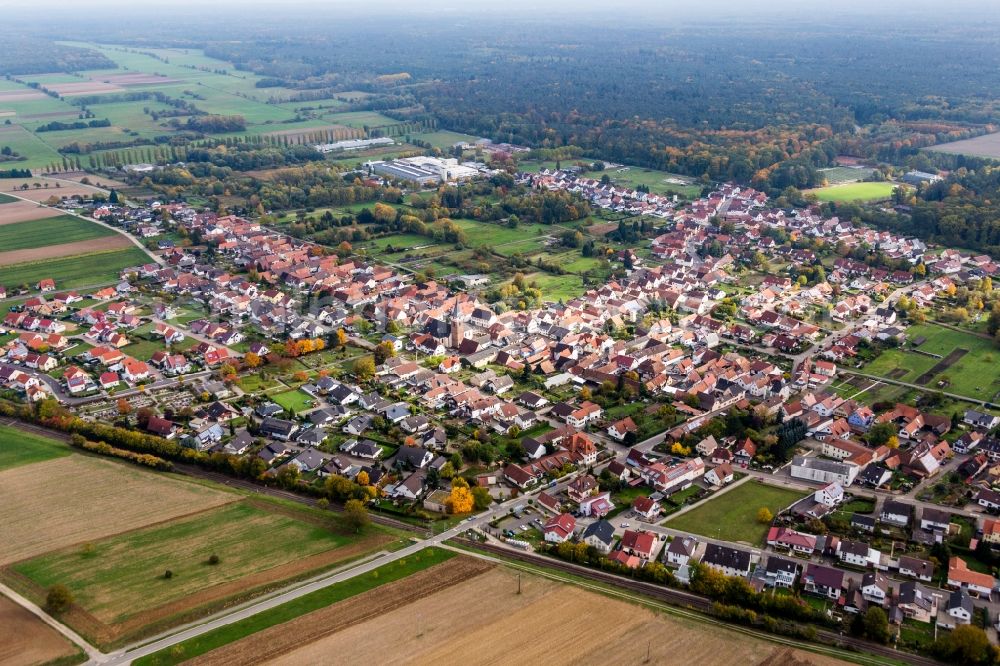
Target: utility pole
519, 583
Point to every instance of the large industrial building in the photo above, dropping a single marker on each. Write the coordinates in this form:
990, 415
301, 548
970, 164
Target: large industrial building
423, 170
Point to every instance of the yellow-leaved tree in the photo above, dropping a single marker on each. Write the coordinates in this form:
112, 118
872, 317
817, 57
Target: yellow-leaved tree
460, 500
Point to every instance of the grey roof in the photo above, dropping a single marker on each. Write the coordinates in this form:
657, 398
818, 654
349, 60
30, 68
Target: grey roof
960, 599
602, 530
776, 564
724, 556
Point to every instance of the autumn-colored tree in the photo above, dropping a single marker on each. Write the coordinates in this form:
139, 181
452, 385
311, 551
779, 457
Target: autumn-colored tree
585, 393
319, 344
384, 351
341, 337
252, 360
764, 515
301, 376
292, 349
364, 368
892, 442
460, 499
356, 515
362, 478
124, 407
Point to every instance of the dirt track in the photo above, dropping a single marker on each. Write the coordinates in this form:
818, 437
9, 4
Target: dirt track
26, 640
113, 242
357, 611
485, 620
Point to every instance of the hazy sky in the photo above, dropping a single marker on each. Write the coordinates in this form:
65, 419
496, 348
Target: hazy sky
615, 11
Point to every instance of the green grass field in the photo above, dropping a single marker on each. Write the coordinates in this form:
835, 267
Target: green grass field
6, 199
49, 231
479, 234
18, 447
123, 574
77, 271
289, 611
732, 515
841, 175
629, 176
854, 192
976, 375
443, 139
294, 400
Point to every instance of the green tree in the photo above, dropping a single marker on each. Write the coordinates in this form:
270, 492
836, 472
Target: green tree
876, 624
481, 498
967, 644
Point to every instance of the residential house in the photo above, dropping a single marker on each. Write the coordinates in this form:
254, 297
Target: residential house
824, 581
559, 528
681, 550
973, 582
780, 572
958, 610
600, 535
730, 561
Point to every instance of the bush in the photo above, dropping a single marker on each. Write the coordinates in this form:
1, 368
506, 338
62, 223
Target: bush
58, 599
213, 559
168, 574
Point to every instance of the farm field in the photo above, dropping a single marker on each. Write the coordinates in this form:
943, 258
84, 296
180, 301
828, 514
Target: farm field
18, 447
732, 515
854, 192
987, 145
437, 628
123, 575
23, 211
975, 373
26, 640
49, 231
74, 249
57, 503
40, 188
94, 268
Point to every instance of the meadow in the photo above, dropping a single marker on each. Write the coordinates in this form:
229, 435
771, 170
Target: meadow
732, 515
976, 374
49, 231
18, 447
854, 192
123, 575
97, 268
659, 182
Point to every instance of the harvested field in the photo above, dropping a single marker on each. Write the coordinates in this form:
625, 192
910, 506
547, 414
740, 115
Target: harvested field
951, 359
24, 211
110, 242
41, 193
102, 182
49, 505
987, 145
20, 95
83, 88
26, 640
135, 79
602, 229
281, 640
440, 629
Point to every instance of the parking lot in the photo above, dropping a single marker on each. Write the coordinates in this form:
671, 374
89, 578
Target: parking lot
514, 526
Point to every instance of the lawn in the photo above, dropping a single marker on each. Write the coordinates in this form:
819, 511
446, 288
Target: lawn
443, 138
485, 233
976, 374
77, 271
18, 447
293, 609
144, 349
123, 575
557, 287
854, 192
294, 400
4, 198
658, 182
732, 515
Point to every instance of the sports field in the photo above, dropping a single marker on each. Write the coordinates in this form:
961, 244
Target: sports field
854, 192
732, 515
961, 362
